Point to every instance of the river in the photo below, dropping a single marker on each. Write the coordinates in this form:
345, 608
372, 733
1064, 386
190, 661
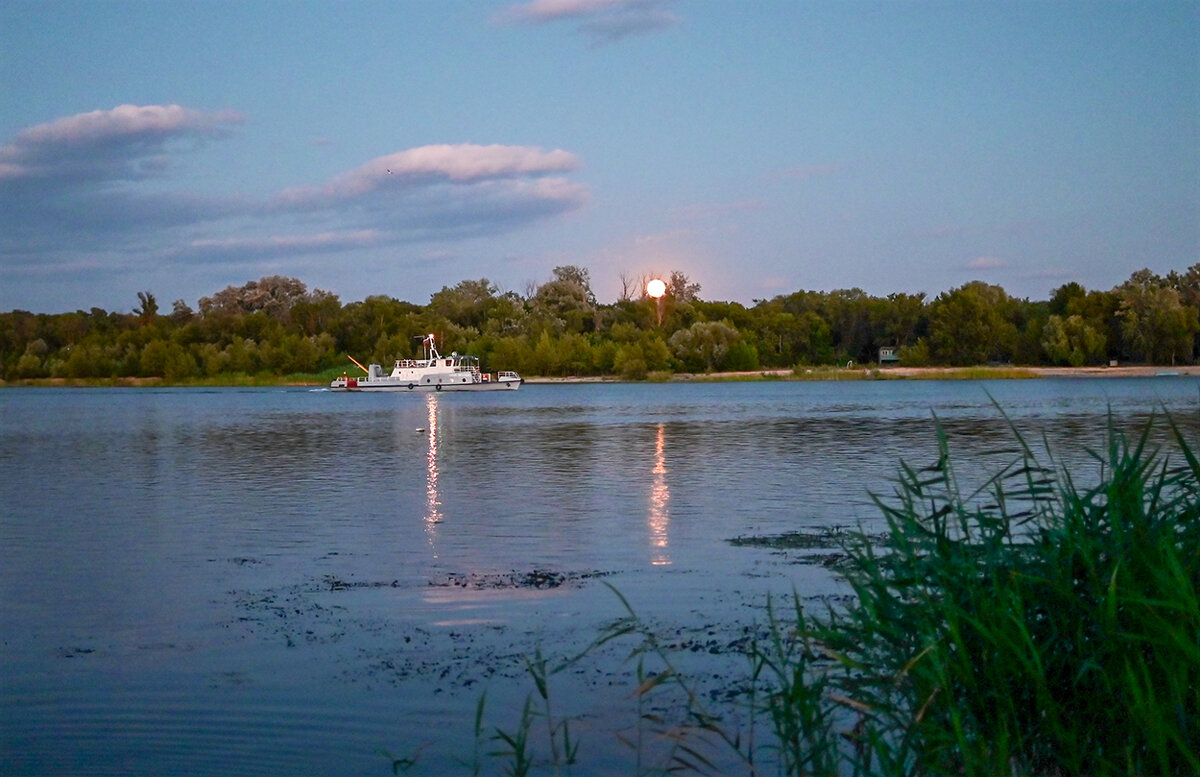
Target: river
292, 581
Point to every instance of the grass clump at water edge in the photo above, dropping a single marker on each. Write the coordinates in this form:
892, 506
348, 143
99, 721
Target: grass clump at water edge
1039, 626
1036, 626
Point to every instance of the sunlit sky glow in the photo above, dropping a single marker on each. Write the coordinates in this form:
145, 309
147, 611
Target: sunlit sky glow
759, 147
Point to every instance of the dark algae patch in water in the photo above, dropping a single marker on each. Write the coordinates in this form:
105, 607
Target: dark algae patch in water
537, 579
821, 545
813, 538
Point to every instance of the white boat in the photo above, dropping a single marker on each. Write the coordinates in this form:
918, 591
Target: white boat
435, 372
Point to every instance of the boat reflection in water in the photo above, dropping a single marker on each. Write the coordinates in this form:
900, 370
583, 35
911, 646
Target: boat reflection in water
433, 501
660, 495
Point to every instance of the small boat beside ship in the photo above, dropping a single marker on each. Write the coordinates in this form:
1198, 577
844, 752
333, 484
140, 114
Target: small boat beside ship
434, 372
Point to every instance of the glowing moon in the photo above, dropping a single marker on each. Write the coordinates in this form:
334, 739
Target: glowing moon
656, 288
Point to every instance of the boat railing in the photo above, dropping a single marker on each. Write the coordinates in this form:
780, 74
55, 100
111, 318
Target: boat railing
507, 375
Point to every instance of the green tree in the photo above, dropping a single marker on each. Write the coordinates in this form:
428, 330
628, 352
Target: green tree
180, 364
565, 303
1029, 317
900, 319
243, 356
575, 355
578, 276
1099, 311
1066, 298
29, 366
681, 288
547, 358
741, 356
791, 331
213, 360
510, 352
467, 304
849, 314
631, 362
704, 346
916, 355
969, 325
147, 308
1155, 324
273, 294
1071, 341
295, 353
181, 312
656, 352
315, 313
360, 325
153, 358
604, 356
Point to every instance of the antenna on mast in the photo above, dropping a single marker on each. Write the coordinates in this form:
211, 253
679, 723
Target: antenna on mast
427, 346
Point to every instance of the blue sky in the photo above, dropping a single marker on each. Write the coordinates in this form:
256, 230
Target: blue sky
759, 147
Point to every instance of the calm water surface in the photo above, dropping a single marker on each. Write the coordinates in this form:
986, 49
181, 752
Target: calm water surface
259, 581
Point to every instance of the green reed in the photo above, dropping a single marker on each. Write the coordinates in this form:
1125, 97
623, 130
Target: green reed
1038, 626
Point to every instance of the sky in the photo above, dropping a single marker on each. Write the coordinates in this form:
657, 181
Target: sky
760, 147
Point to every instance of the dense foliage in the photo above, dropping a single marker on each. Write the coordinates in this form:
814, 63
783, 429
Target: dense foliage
276, 326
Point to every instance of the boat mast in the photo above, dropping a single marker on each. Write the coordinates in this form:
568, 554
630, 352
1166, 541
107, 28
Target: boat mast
429, 348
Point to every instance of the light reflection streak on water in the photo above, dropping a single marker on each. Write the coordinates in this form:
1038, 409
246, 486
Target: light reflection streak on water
660, 496
433, 501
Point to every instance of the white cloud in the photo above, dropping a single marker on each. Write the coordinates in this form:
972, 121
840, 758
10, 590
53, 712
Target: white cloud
124, 142
129, 121
444, 192
427, 165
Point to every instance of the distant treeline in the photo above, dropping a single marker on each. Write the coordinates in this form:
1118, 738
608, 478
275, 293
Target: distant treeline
276, 326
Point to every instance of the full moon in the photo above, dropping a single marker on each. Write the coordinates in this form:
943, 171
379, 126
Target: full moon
656, 288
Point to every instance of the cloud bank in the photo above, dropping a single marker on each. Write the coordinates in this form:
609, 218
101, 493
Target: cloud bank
79, 188
125, 143
428, 165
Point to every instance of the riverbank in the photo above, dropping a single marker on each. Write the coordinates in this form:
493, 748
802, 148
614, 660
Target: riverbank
812, 374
